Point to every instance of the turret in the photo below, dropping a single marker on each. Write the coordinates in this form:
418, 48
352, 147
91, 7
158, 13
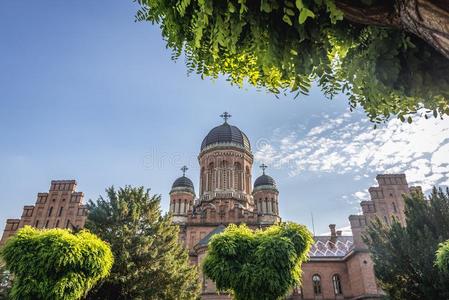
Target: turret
182, 195
265, 194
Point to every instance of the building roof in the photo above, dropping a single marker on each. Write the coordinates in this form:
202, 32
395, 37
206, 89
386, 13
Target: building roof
183, 181
324, 247
205, 240
264, 180
226, 134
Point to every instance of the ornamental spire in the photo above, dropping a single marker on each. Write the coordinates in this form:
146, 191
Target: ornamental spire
263, 167
225, 116
184, 169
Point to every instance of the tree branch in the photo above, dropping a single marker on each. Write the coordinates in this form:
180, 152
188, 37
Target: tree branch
379, 15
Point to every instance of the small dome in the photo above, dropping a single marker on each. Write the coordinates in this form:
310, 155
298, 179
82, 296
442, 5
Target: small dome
224, 134
183, 181
264, 180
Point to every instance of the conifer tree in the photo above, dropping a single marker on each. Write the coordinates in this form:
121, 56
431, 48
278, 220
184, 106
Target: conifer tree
150, 263
404, 256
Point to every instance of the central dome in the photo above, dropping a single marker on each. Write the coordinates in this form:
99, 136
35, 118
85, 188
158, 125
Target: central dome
226, 134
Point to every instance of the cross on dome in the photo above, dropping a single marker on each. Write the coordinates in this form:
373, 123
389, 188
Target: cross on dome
184, 169
263, 167
225, 116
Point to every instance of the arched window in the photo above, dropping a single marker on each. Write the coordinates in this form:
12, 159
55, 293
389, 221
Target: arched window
247, 180
238, 176
203, 180
50, 210
211, 177
316, 280
337, 284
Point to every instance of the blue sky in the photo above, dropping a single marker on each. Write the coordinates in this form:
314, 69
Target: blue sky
86, 93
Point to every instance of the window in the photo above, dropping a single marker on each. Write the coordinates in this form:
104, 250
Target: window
337, 284
36, 224
46, 224
316, 280
60, 211
204, 283
67, 224
50, 210
394, 207
57, 224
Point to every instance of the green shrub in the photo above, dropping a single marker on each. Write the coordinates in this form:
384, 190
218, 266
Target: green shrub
55, 264
260, 264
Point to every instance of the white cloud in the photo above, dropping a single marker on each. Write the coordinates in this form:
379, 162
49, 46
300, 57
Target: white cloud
348, 144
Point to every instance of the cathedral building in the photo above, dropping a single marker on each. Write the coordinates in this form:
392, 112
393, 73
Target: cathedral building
340, 267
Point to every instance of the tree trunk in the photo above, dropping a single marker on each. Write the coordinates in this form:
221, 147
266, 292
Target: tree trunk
427, 19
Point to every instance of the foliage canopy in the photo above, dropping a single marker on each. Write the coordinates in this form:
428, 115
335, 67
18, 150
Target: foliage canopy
150, 263
286, 45
404, 256
442, 259
261, 264
55, 264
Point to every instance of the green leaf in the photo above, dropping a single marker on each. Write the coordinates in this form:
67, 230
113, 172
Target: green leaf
305, 13
287, 20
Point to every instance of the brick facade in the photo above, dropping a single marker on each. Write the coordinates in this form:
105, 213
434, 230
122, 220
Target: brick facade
61, 207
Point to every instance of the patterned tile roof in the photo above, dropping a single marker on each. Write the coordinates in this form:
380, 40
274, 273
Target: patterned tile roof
324, 247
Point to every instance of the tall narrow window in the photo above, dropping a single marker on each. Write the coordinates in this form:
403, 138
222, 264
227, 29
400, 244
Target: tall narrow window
204, 282
337, 284
57, 224
60, 211
36, 224
67, 224
394, 207
316, 281
237, 176
46, 224
50, 210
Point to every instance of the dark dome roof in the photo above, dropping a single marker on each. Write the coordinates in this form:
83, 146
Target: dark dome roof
226, 133
264, 180
183, 181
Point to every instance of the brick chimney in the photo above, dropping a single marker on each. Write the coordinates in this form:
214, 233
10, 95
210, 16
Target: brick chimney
333, 233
